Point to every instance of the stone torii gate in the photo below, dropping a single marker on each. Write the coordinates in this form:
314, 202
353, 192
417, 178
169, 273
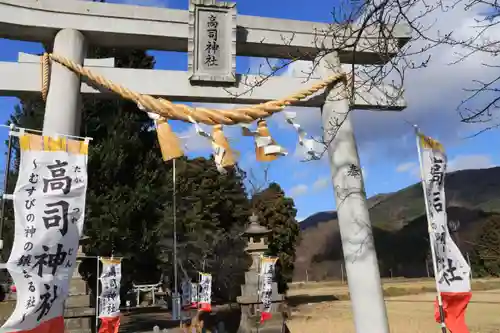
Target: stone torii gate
70, 26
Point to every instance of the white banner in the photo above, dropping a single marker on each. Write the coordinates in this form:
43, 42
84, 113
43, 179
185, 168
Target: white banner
186, 293
267, 268
205, 292
194, 294
453, 272
49, 204
109, 299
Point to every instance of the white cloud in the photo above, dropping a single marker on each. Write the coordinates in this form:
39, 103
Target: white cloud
460, 162
265, 66
465, 162
322, 183
410, 168
299, 190
405, 167
299, 174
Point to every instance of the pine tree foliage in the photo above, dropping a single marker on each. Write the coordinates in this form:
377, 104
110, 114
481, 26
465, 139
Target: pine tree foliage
212, 211
125, 178
485, 259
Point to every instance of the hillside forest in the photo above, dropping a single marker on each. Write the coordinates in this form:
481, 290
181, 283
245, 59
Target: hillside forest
400, 230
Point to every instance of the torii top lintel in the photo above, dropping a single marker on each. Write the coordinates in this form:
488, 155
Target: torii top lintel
115, 25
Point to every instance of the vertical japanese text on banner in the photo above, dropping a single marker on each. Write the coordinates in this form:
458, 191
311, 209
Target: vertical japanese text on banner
49, 202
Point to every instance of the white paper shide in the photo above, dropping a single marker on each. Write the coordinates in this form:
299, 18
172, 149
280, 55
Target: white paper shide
109, 299
49, 203
453, 272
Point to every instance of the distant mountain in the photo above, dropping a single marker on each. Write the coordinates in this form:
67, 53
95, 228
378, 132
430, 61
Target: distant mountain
314, 219
400, 227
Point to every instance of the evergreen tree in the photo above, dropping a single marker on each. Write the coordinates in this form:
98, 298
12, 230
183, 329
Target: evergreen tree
485, 259
277, 212
212, 211
126, 176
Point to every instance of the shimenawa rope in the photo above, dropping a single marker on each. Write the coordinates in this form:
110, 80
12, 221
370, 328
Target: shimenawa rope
169, 110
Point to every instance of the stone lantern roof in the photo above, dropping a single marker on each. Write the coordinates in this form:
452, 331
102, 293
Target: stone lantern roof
257, 237
84, 240
255, 229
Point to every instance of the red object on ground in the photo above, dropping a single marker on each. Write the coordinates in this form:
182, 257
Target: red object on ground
55, 325
109, 324
206, 307
454, 306
265, 316
13, 288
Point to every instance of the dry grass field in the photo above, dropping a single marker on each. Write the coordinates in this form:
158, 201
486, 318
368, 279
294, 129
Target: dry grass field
407, 314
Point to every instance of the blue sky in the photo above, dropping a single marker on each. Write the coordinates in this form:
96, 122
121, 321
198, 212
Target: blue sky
386, 142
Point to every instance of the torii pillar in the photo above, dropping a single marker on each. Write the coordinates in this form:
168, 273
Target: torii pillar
63, 106
365, 288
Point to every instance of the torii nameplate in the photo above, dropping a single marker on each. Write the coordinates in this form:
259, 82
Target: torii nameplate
212, 41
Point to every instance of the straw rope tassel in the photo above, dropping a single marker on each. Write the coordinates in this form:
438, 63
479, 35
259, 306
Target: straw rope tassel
220, 140
263, 131
45, 76
169, 142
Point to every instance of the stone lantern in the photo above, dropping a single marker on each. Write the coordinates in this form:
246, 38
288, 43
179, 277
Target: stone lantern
249, 300
257, 236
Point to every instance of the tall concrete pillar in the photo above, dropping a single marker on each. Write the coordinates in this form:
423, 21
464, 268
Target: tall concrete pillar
63, 109
354, 221
63, 116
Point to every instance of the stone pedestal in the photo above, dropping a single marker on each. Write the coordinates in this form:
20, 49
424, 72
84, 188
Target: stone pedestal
79, 316
249, 301
251, 306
